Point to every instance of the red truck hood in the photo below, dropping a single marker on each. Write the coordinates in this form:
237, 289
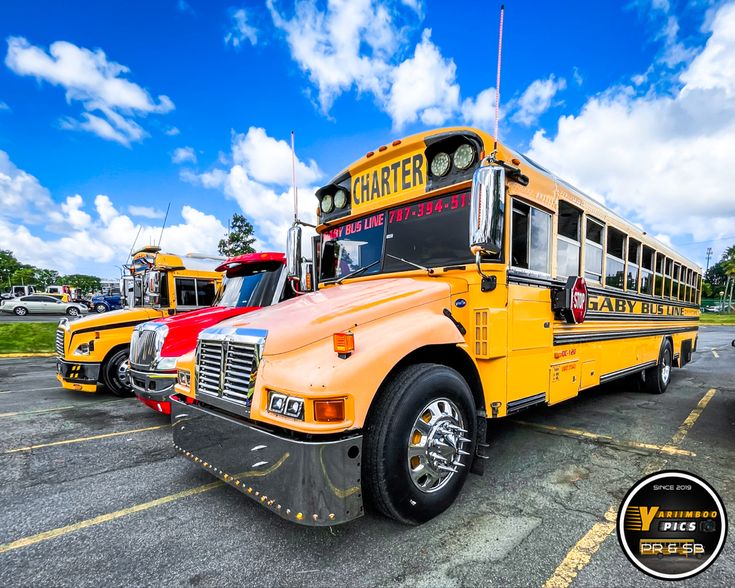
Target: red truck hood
183, 329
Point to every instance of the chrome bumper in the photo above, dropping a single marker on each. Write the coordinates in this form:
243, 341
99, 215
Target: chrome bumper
314, 483
156, 386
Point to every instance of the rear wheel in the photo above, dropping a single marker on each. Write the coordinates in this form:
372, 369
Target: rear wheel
115, 373
658, 377
100, 308
71, 311
20, 310
419, 443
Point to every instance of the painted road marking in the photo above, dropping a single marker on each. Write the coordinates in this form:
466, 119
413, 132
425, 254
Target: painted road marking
581, 554
58, 532
83, 439
32, 389
717, 355
606, 439
22, 355
59, 408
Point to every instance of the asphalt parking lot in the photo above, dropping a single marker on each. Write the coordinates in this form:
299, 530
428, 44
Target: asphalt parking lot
93, 494
7, 317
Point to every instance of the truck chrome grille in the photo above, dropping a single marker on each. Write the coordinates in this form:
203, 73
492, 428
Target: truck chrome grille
143, 349
224, 369
60, 342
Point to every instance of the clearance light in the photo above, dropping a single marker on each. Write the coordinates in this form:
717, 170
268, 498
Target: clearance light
328, 411
344, 343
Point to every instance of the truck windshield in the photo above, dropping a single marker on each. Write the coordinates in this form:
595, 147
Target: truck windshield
255, 289
430, 233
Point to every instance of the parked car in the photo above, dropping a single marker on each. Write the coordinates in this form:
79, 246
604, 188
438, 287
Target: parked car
40, 304
105, 303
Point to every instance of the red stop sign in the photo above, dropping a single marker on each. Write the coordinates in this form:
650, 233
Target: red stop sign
577, 300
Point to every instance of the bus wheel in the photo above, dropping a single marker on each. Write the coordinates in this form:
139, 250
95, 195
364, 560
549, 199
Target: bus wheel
114, 373
658, 377
419, 443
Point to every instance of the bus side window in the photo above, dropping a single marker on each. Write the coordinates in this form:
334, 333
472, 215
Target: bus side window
667, 277
676, 281
593, 250
615, 258
531, 234
569, 223
634, 248
186, 292
647, 271
205, 292
659, 290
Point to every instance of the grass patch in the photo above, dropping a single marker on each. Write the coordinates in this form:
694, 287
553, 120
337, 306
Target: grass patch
713, 318
27, 337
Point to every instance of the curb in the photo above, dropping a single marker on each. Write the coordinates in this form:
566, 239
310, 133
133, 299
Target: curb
22, 355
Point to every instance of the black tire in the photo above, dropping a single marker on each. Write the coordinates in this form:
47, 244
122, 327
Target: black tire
71, 311
100, 308
20, 310
386, 469
111, 376
658, 377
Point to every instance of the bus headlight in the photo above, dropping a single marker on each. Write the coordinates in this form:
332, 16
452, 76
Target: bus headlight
166, 363
327, 203
290, 406
440, 164
340, 199
464, 156
84, 349
184, 378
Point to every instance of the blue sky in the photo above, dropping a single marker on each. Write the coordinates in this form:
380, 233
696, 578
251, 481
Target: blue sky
111, 110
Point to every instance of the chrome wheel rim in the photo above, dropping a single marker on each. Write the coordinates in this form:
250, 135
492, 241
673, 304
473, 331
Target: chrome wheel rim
666, 368
122, 373
437, 445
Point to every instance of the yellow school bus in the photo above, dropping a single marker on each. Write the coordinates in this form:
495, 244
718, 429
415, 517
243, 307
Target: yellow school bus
457, 284
94, 350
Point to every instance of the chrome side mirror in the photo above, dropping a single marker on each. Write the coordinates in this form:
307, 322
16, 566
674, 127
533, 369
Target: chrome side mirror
293, 252
487, 210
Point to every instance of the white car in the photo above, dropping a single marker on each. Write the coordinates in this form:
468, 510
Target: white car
40, 304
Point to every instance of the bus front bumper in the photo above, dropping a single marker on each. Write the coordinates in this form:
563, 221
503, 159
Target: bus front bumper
77, 376
314, 483
153, 388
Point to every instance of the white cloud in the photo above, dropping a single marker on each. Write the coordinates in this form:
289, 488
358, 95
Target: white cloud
423, 87
89, 78
664, 160
184, 154
480, 111
259, 181
536, 100
172, 131
4, 106
145, 211
240, 30
99, 237
184, 6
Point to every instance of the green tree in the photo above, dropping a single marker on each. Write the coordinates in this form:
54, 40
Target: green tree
240, 239
85, 282
8, 265
24, 276
46, 277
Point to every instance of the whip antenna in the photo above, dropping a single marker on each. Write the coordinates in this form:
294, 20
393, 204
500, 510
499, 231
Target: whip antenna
497, 79
134, 242
293, 181
165, 218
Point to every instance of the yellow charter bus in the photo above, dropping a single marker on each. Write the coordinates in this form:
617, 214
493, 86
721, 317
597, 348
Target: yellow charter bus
457, 284
94, 350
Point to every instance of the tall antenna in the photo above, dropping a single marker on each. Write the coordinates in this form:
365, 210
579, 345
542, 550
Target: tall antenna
497, 79
165, 218
293, 180
133, 245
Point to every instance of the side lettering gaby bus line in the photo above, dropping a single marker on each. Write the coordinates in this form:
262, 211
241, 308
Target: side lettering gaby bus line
610, 304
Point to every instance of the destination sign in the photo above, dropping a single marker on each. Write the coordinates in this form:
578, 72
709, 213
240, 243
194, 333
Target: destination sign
394, 176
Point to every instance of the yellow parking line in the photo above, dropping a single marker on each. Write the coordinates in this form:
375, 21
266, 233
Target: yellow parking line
606, 439
581, 554
60, 408
52, 534
83, 439
21, 355
717, 355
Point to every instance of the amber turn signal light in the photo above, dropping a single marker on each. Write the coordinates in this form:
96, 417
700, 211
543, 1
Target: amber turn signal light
328, 411
344, 342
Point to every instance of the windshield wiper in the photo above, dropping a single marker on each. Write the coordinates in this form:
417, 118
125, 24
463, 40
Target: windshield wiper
421, 267
358, 271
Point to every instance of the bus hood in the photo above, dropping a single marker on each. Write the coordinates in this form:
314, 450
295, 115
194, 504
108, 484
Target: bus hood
183, 329
115, 318
318, 315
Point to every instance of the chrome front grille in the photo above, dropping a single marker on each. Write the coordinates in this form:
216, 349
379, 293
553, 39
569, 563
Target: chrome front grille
60, 342
226, 370
143, 348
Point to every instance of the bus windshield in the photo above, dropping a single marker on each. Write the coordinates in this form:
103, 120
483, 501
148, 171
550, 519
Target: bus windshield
256, 289
430, 233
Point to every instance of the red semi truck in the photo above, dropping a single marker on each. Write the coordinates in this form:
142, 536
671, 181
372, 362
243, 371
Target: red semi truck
253, 281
